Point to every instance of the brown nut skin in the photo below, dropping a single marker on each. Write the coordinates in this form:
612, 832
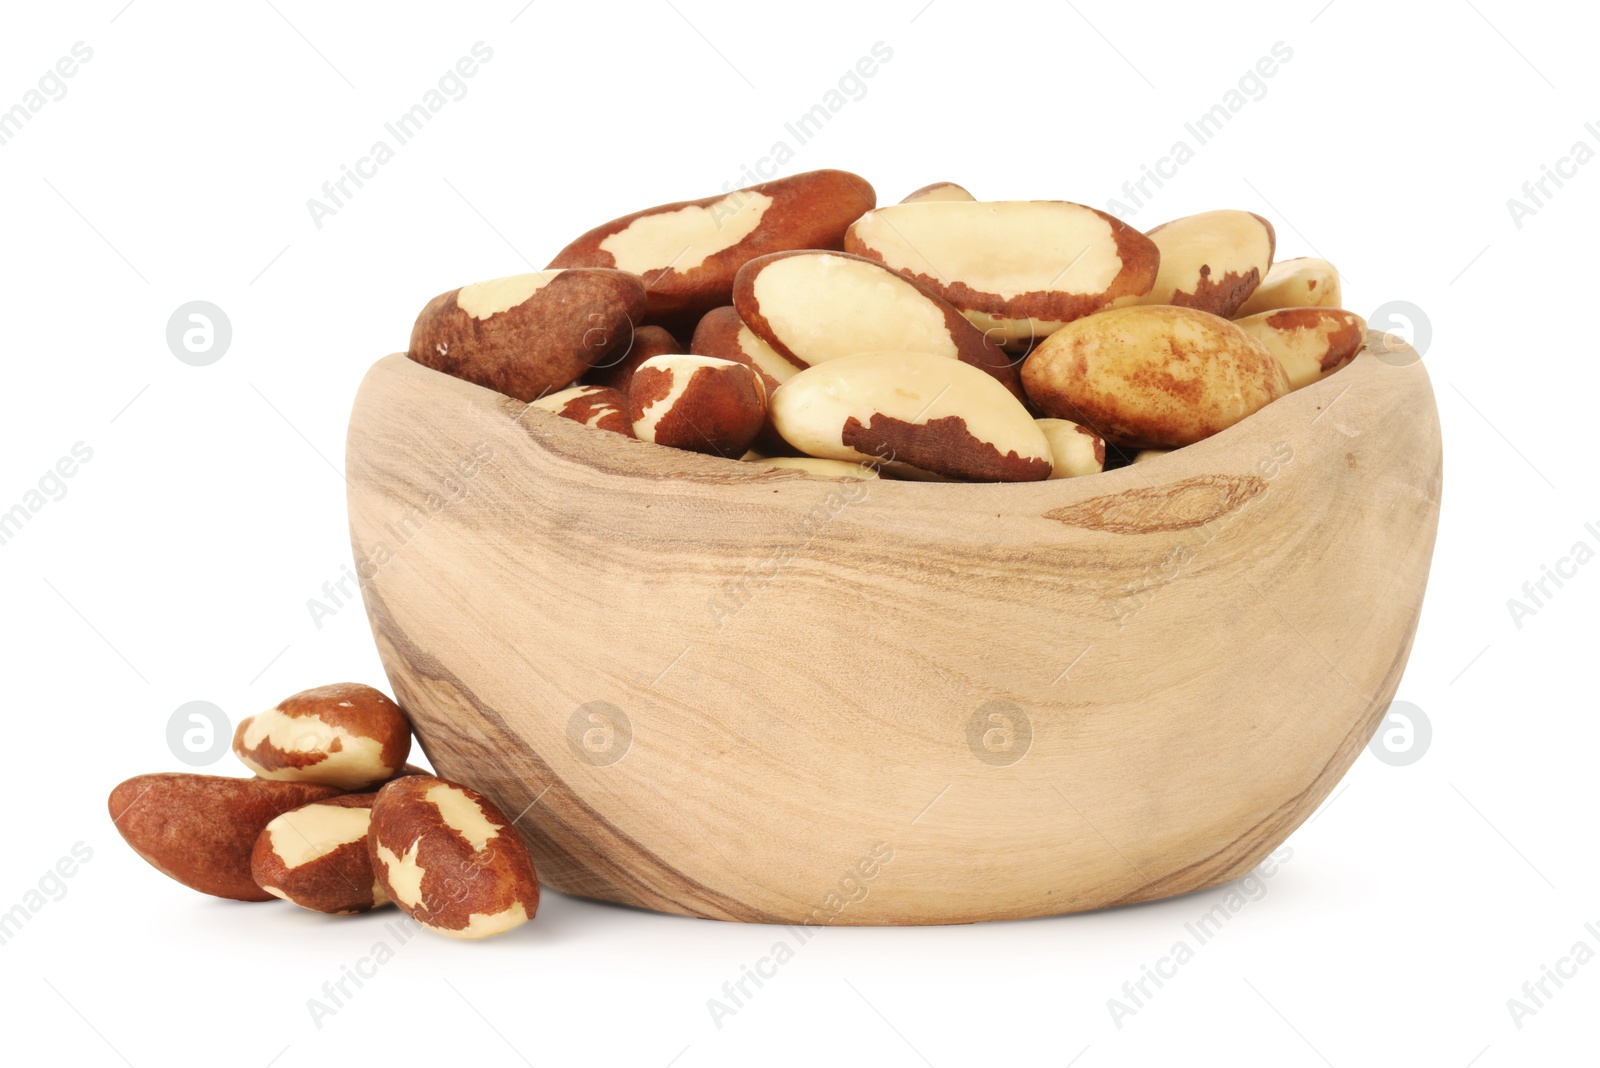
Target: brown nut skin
1212, 261
597, 406
723, 335
1001, 262
617, 366
346, 735
698, 403
530, 334
1303, 282
449, 859
316, 856
201, 829
824, 317
722, 233
1153, 376
1311, 343
915, 415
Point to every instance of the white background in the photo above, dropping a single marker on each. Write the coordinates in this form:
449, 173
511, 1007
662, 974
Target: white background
178, 565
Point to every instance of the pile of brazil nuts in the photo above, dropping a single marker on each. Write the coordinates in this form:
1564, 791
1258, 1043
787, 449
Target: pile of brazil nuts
334, 821
797, 324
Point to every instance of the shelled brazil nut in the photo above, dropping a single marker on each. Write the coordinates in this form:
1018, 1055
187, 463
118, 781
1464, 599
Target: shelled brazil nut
450, 859
817, 306
455, 862
1303, 282
528, 334
911, 410
1212, 261
1153, 376
597, 406
1310, 343
688, 252
1017, 269
316, 856
831, 308
698, 403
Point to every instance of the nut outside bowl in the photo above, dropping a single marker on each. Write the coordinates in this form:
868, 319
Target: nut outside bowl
733, 691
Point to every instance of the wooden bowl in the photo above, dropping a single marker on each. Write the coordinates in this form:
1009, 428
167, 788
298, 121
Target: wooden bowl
733, 691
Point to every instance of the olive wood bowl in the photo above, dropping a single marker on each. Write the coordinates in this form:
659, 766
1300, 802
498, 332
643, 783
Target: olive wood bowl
734, 691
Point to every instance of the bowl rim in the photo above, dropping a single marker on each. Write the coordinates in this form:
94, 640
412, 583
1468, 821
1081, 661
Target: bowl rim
619, 455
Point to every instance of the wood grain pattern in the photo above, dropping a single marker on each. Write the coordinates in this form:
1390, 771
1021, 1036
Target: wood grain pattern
1185, 656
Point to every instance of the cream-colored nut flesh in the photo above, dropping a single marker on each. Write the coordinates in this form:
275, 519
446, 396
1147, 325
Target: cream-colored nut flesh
1303, 282
823, 306
554, 402
1212, 261
683, 238
592, 406
1076, 450
486, 925
403, 874
817, 466
931, 413
1016, 269
312, 832
724, 336
483, 299
682, 367
764, 358
1311, 343
1144, 456
463, 815
348, 757
936, 192
1153, 376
